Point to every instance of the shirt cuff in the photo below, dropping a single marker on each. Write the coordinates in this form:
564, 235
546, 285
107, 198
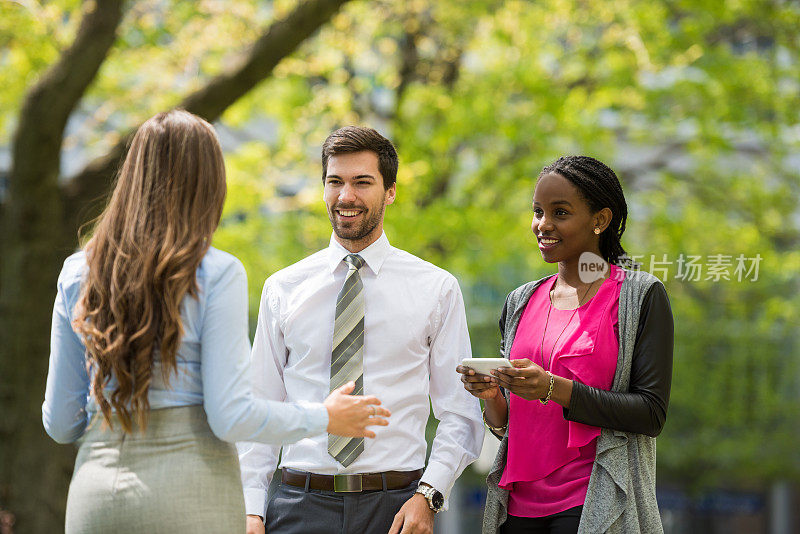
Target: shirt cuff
255, 502
317, 417
441, 478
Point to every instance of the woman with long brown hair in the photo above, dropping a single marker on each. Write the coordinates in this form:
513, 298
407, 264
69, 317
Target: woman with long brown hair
150, 352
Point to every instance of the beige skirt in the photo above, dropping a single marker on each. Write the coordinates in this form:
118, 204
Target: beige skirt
176, 477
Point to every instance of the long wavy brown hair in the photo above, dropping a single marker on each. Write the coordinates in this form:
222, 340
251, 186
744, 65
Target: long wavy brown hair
143, 254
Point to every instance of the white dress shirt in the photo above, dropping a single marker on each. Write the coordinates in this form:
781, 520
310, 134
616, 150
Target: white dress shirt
415, 334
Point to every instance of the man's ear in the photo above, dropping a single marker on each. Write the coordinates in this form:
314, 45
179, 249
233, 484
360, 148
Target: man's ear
390, 194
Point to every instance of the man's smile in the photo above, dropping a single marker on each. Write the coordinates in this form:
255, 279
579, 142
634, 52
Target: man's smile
348, 213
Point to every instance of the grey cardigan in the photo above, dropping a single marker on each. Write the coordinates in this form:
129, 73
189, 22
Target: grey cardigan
621, 497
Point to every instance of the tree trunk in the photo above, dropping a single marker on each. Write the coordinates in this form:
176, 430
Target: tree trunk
38, 229
35, 472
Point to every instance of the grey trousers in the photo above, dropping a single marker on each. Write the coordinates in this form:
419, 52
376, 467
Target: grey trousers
293, 510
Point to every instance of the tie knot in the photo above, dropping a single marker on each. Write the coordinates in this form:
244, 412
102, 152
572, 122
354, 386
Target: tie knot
354, 260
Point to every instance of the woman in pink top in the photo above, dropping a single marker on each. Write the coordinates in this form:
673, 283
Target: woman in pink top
565, 343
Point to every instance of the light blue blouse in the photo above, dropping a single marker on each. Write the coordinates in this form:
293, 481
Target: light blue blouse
212, 362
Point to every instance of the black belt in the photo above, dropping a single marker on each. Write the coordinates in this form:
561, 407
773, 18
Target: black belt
350, 483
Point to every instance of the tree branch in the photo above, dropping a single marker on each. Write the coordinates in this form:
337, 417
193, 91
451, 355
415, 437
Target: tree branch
49, 103
280, 40
409, 59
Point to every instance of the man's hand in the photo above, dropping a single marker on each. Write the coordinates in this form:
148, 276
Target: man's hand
255, 525
415, 517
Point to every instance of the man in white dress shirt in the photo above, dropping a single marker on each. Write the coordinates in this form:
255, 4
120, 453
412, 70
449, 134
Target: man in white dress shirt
395, 325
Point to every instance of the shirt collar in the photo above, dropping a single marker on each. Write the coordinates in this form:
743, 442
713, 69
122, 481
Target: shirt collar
374, 255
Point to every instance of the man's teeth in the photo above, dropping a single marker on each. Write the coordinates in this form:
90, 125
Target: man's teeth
549, 241
348, 213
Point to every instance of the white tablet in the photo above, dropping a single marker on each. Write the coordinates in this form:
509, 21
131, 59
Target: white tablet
484, 366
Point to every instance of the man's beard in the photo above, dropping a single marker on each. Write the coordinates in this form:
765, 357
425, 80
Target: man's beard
360, 231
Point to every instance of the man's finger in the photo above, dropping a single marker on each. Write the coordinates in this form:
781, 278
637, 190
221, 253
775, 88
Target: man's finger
397, 523
410, 527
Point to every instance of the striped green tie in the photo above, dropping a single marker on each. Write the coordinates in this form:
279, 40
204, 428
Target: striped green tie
348, 352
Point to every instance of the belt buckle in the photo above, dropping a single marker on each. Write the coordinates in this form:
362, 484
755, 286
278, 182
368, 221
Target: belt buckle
347, 483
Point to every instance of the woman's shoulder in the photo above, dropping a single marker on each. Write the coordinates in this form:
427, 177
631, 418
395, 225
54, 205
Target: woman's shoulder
642, 281
524, 291
73, 270
646, 293
218, 264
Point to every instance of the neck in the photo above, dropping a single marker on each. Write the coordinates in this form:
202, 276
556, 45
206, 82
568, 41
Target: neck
568, 274
357, 245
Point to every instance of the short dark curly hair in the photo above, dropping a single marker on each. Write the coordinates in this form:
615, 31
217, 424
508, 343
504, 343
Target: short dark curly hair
357, 138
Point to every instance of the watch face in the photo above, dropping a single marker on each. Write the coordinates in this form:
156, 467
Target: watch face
437, 500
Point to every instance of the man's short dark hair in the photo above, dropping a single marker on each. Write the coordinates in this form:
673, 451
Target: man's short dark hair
356, 139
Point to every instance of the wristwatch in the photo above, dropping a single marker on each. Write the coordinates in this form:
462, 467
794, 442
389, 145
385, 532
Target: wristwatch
433, 496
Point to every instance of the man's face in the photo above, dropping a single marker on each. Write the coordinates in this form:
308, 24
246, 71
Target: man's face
355, 198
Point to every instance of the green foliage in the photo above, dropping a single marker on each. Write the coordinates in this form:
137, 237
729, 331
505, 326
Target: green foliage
695, 104
30, 38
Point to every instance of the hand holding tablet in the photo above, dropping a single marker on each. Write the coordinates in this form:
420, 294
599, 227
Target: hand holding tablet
476, 377
484, 366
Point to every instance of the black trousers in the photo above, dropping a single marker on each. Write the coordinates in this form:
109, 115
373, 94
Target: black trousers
565, 522
293, 510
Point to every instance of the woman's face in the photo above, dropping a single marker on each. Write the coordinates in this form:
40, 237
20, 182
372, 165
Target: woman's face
563, 223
